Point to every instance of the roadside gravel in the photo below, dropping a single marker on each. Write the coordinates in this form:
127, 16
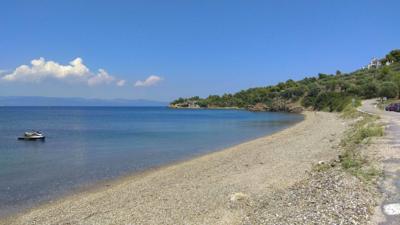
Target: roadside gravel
327, 197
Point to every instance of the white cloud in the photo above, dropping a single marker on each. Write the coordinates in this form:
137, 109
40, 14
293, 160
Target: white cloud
102, 77
150, 81
40, 69
121, 83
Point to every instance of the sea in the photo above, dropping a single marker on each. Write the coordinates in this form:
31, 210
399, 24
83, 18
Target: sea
87, 145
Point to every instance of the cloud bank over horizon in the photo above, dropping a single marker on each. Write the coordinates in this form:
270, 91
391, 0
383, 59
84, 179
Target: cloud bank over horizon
76, 70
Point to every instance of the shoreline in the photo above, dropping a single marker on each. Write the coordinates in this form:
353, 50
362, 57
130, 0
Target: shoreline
159, 175
101, 184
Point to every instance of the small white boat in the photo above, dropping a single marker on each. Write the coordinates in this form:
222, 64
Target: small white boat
32, 136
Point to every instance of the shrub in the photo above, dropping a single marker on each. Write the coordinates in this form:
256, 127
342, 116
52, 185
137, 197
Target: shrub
369, 90
352, 159
388, 89
331, 101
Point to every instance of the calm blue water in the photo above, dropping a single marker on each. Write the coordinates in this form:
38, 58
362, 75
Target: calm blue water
89, 144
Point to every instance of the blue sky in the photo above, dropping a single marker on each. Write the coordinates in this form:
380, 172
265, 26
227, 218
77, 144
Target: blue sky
185, 47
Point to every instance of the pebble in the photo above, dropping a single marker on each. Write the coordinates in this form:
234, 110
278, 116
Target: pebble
327, 197
392, 209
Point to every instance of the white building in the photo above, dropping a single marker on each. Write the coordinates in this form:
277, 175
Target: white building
375, 63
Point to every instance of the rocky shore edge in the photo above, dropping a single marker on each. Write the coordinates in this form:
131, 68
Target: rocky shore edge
259, 107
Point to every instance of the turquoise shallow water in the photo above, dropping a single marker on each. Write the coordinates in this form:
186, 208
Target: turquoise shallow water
89, 144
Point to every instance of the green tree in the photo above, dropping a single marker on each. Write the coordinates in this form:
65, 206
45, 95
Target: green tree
354, 90
388, 89
178, 101
370, 90
322, 76
313, 90
393, 56
395, 77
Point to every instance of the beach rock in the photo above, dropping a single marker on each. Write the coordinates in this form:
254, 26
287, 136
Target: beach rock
392, 209
259, 107
296, 109
239, 196
276, 106
239, 200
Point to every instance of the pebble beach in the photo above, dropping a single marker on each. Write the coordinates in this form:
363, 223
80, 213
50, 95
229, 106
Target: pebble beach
224, 187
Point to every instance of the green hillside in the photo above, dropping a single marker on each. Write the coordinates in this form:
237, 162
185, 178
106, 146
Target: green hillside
328, 92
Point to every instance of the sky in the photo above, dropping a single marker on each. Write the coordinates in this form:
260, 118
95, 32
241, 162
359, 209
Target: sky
161, 50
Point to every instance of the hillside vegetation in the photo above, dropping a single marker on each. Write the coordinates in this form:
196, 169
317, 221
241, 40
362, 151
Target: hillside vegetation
328, 92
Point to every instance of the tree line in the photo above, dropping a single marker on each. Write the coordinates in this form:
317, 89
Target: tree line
329, 92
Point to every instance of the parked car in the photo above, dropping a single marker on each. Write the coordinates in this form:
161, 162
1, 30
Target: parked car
395, 107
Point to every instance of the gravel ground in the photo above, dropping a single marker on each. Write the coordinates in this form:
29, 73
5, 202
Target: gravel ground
218, 188
387, 151
329, 197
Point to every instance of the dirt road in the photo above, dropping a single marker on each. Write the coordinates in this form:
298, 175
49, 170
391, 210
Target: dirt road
388, 212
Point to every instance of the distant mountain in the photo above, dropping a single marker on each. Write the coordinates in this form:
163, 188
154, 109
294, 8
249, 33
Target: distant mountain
60, 101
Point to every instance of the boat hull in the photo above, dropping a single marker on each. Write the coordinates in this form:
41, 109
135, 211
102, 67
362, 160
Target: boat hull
31, 138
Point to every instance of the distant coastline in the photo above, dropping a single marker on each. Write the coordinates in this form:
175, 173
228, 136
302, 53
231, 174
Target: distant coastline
323, 92
216, 107
259, 107
74, 101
